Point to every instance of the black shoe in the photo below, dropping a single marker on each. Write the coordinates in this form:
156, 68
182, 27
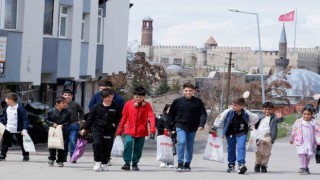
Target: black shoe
25, 158
64, 159
187, 167
307, 171
180, 167
135, 167
230, 168
50, 162
302, 171
264, 169
242, 169
2, 158
126, 167
257, 168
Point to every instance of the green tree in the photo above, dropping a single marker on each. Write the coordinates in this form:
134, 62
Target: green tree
163, 87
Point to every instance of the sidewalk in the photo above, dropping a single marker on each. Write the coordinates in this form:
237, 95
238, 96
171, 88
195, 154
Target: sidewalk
283, 165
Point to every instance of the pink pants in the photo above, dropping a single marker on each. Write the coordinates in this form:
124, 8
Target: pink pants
304, 160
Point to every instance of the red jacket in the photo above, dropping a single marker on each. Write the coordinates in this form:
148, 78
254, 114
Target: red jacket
135, 120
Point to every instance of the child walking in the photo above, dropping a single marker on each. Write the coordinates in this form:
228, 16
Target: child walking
236, 122
58, 115
17, 123
305, 135
267, 129
103, 118
135, 116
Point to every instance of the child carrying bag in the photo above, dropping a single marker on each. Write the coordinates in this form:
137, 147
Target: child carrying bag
55, 138
79, 150
164, 149
214, 148
117, 148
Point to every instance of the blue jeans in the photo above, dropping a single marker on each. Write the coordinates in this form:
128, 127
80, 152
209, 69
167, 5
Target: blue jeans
185, 142
237, 143
71, 136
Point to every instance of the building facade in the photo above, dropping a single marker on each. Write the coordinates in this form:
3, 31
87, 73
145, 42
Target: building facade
48, 45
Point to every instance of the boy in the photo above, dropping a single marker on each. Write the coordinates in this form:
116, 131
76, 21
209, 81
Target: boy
17, 124
104, 118
267, 130
236, 122
135, 116
189, 115
77, 115
58, 115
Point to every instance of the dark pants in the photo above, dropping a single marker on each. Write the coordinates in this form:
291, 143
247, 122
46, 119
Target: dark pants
7, 141
102, 145
53, 155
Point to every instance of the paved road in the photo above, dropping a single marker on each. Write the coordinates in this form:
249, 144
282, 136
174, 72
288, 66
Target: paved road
283, 165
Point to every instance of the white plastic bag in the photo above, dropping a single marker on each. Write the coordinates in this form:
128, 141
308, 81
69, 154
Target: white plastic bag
28, 143
214, 149
117, 148
2, 129
251, 144
164, 149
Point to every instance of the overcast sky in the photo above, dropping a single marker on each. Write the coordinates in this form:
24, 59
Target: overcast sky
192, 22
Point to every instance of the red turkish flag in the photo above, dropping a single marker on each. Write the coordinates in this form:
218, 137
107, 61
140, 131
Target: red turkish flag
287, 17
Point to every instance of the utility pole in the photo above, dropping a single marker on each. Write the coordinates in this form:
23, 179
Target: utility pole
228, 80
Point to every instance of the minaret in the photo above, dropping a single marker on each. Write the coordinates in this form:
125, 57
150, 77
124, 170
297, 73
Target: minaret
146, 37
282, 62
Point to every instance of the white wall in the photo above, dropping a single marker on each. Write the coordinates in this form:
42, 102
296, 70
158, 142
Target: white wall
116, 36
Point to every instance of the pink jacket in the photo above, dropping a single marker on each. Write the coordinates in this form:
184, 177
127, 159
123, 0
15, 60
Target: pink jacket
296, 133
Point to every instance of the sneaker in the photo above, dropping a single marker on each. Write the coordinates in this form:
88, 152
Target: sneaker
307, 171
50, 162
60, 164
25, 158
73, 162
126, 167
163, 165
2, 158
230, 168
264, 169
180, 167
109, 163
170, 165
302, 171
135, 167
257, 168
104, 167
187, 167
242, 169
97, 166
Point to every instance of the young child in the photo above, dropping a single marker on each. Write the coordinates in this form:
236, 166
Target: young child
267, 129
17, 124
103, 118
77, 115
236, 122
135, 116
58, 115
161, 124
305, 135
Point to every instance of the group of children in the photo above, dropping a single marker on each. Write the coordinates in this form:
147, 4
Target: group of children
186, 115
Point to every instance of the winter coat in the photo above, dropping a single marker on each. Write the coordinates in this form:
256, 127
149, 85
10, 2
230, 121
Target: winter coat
273, 126
135, 120
59, 117
296, 135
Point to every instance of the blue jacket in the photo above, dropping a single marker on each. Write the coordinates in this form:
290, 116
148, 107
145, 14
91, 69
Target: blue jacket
97, 99
273, 126
227, 115
23, 121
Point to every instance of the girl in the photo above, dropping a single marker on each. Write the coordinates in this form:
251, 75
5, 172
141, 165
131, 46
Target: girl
305, 135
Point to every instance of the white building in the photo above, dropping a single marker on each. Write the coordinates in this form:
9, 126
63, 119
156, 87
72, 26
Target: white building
48, 45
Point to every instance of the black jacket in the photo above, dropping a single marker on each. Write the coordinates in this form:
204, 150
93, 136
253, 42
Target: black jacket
59, 117
102, 117
273, 126
188, 114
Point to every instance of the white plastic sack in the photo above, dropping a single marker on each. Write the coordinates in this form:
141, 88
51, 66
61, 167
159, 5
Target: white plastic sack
28, 143
2, 129
55, 138
164, 149
251, 144
214, 149
117, 148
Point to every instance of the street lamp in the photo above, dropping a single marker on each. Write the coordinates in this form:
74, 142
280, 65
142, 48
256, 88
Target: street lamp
261, 66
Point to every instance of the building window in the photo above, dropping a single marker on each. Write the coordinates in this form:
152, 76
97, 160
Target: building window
100, 26
8, 14
48, 17
63, 21
164, 60
83, 27
177, 61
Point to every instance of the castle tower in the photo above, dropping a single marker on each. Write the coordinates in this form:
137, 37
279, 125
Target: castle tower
211, 42
146, 37
282, 62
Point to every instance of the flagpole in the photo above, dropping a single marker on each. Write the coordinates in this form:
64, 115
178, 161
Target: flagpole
295, 31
